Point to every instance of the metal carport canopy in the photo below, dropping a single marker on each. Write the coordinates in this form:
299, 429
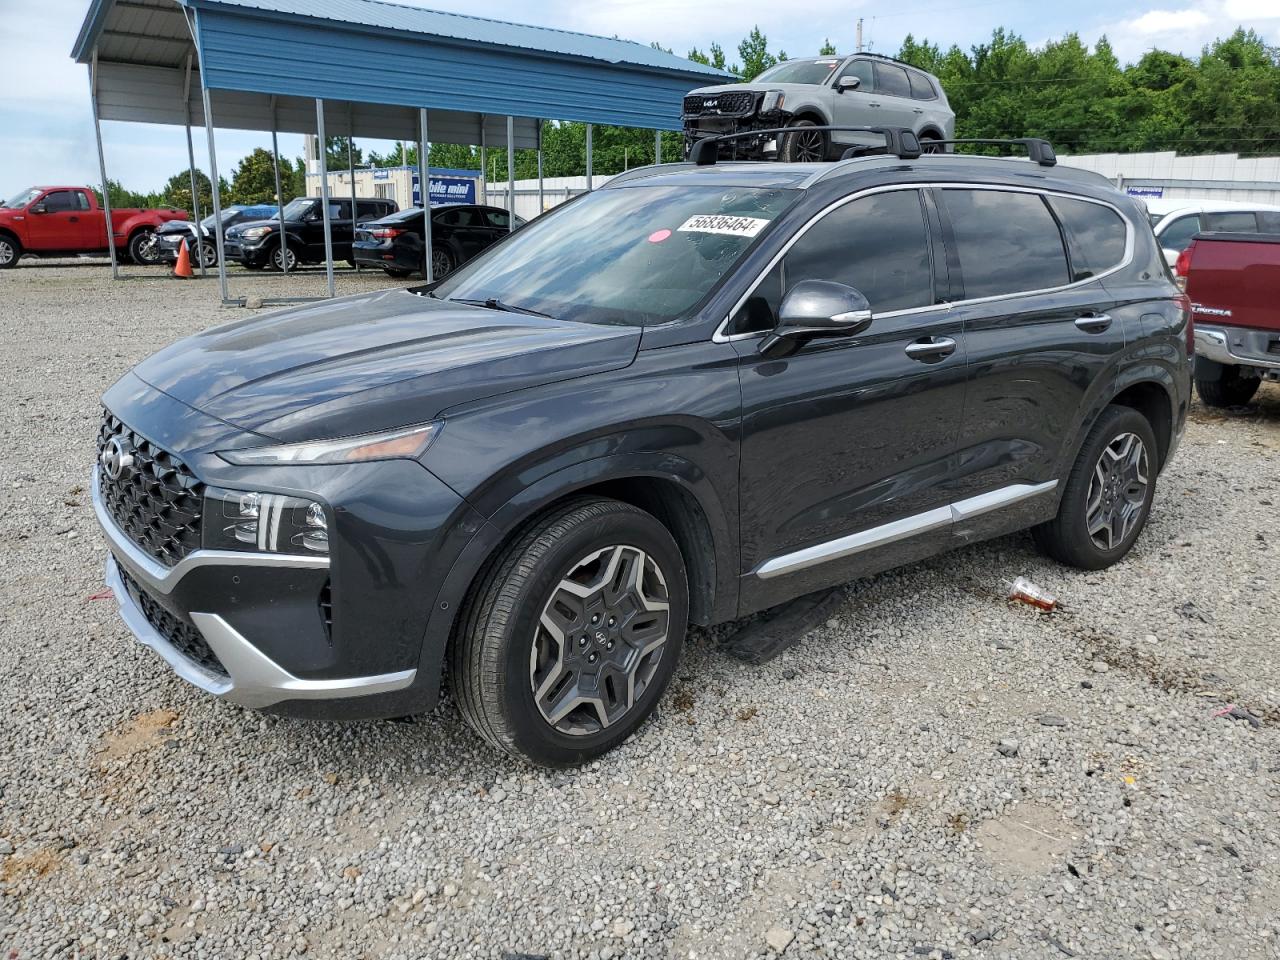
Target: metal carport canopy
376, 56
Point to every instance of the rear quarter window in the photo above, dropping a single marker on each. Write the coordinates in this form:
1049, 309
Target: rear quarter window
1096, 236
921, 88
1007, 242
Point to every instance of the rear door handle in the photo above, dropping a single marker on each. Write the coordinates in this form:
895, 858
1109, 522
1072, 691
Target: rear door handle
917, 110
931, 349
1093, 322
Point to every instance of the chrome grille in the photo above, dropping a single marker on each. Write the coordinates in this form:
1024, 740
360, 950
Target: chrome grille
156, 500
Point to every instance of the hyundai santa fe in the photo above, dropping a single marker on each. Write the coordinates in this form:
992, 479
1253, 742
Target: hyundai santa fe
694, 394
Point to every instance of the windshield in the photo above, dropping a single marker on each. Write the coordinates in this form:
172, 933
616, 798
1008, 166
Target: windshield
630, 256
211, 220
298, 208
22, 199
800, 71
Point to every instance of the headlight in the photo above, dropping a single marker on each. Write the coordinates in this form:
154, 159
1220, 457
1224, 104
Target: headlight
407, 443
265, 522
257, 233
773, 100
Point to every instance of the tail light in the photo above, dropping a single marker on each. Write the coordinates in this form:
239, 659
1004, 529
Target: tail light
1184, 303
385, 233
1183, 267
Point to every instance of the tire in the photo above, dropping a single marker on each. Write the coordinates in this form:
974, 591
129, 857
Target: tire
207, 254
253, 266
144, 248
289, 258
1110, 480
395, 272
504, 654
10, 251
443, 262
930, 144
1229, 390
801, 147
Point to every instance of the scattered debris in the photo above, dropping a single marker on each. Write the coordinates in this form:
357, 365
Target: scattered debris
1238, 713
1024, 591
1192, 612
100, 595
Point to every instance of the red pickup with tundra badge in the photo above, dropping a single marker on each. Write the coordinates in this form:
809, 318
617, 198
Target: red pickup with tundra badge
1233, 281
67, 221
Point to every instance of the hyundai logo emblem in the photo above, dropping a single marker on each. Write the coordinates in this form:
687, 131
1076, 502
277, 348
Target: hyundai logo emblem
115, 459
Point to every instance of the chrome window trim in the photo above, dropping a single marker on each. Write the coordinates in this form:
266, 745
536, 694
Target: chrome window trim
720, 335
895, 530
161, 579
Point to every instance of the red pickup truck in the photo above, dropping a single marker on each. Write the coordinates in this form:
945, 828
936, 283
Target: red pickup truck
66, 221
1233, 281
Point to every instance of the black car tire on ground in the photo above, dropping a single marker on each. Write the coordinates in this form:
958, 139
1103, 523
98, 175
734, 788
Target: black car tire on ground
207, 254
144, 248
501, 641
1229, 390
253, 266
443, 261
290, 258
396, 272
1102, 483
804, 147
10, 252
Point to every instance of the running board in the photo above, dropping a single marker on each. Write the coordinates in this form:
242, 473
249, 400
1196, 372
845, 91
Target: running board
896, 530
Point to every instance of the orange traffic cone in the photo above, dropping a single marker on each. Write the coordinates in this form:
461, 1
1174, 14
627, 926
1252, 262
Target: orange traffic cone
182, 268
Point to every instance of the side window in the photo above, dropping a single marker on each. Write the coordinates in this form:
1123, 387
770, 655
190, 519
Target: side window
1006, 242
447, 219
58, 201
862, 69
921, 87
497, 218
1241, 222
1268, 221
891, 80
81, 201
1178, 234
1096, 235
878, 244
369, 210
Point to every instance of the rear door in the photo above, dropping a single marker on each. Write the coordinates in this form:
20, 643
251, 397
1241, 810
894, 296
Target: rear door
1042, 331
893, 90
851, 437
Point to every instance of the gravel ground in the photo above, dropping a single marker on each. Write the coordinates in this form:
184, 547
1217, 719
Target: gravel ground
933, 773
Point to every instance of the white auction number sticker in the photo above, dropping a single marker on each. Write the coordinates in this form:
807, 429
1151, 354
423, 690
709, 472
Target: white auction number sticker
719, 223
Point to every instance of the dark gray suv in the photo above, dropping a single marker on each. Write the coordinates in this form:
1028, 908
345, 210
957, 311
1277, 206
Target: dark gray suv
694, 394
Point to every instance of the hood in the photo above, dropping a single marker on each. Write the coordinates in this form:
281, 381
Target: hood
796, 89
178, 226
374, 362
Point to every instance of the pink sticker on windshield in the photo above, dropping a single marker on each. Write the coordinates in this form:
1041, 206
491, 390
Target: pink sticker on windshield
659, 235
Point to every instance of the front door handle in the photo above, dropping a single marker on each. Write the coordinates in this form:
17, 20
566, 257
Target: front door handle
1093, 322
73, 219
917, 110
931, 349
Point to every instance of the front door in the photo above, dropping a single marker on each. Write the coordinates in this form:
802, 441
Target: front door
859, 107
848, 444
58, 227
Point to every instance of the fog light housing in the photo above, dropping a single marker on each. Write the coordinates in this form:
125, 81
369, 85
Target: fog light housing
263, 522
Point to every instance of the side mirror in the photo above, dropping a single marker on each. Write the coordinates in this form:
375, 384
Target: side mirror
845, 84
38, 208
815, 309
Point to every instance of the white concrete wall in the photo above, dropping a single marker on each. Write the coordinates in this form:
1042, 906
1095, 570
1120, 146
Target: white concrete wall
1224, 176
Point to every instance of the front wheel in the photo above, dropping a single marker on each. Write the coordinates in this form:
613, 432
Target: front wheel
207, 254
1108, 493
806, 145
144, 248
283, 257
1231, 389
10, 251
569, 639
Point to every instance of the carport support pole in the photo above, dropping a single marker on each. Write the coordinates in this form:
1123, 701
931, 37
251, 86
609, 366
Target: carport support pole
484, 161
511, 174
102, 165
424, 182
588, 158
351, 166
541, 203
195, 194
657, 146
213, 184
323, 149
275, 158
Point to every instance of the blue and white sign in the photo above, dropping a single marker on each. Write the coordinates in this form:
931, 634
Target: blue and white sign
446, 190
381, 173
1155, 193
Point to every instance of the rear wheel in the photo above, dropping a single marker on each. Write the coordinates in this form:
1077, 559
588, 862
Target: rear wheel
1108, 493
570, 637
442, 262
806, 145
930, 144
10, 251
144, 248
1231, 389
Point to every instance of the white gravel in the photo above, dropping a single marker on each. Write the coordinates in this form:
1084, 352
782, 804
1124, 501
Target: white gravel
934, 773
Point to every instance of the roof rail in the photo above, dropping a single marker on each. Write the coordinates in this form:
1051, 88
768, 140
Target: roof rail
900, 142
1040, 151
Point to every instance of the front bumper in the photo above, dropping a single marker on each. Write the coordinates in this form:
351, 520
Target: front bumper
1238, 346
252, 679
248, 253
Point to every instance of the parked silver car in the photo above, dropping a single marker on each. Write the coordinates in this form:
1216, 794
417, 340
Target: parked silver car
860, 90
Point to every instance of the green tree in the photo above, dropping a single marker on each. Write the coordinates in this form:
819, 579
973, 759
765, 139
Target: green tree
254, 179
756, 58
177, 192
828, 48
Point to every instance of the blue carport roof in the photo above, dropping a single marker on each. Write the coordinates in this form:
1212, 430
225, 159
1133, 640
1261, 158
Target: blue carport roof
374, 52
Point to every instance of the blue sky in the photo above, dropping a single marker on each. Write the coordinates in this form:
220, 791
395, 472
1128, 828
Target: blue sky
44, 107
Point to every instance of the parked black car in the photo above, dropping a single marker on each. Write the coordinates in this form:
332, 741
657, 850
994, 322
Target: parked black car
170, 235
693, 394
458, 232
257, 244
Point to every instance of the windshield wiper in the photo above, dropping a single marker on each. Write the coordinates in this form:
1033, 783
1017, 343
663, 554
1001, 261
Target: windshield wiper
493, 303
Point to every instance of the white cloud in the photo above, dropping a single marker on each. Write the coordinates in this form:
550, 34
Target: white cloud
1187, 29
1166, 21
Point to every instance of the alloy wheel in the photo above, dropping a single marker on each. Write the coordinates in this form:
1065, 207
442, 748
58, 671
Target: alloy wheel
599, 640
149, 249
284, 257
441, 263
6, 252
1117, 491
809, 146
208, 254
